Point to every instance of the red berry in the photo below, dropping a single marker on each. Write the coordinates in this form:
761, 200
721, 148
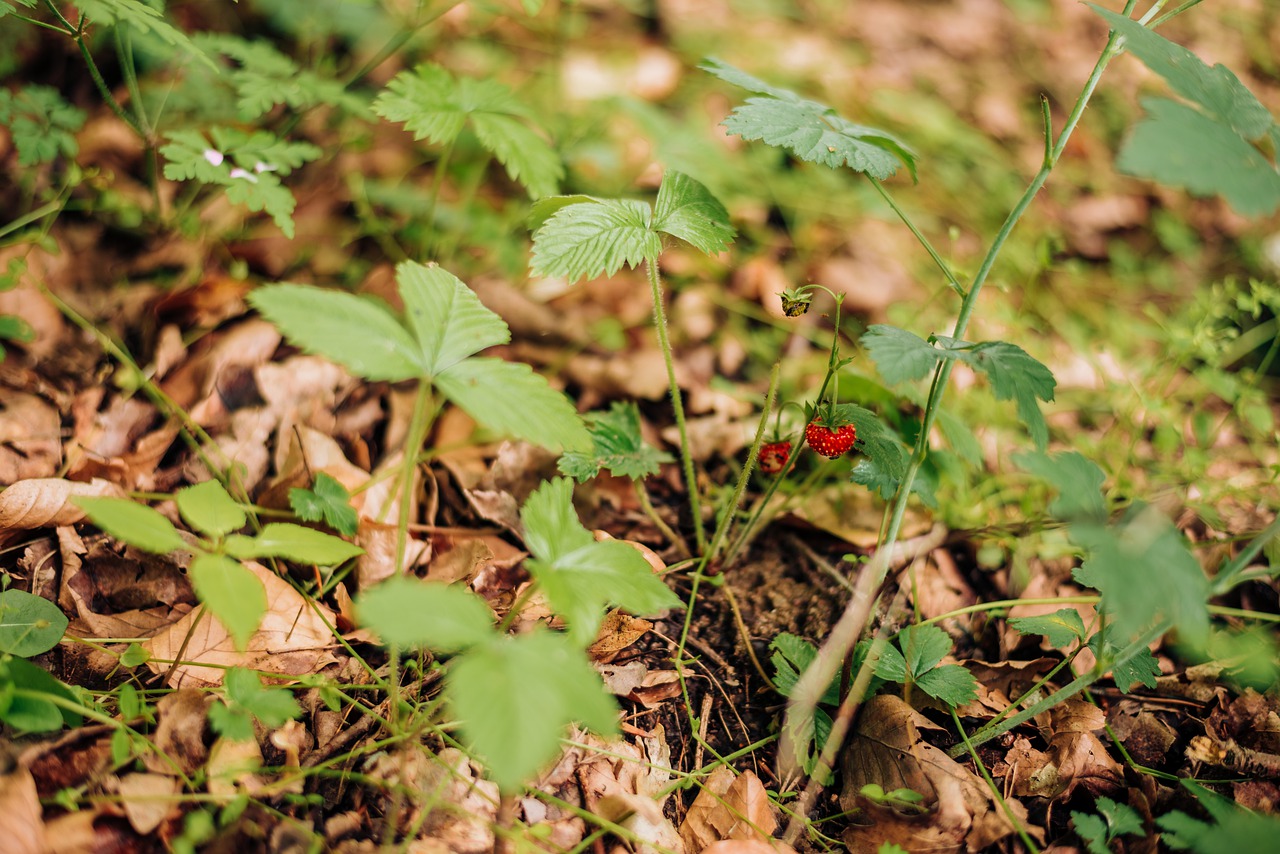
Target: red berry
773, 456
830, 443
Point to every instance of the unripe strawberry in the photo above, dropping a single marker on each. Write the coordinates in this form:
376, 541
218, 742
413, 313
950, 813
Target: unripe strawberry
828, 442
774, 456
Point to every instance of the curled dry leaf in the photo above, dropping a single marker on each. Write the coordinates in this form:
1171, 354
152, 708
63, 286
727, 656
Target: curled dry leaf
729, 807
44, 502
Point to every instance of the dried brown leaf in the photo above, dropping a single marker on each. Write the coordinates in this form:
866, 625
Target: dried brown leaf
148, 799
46, 501
729, 807
21, 825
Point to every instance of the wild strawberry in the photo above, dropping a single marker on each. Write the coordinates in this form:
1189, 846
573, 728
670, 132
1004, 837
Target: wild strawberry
830, 443
774, 455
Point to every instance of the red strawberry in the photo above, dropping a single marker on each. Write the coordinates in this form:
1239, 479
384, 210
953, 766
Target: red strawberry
773, 456
830, 443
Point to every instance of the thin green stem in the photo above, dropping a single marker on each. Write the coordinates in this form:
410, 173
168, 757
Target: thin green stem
1228, 576
952, 281
677, 404
419, 424
646, 505
77, 35
433, 200
995, 790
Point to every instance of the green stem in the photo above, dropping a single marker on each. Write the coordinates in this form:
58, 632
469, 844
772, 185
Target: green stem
419, 424
77, 35
1228, 576
924, 241
433, 200
991, 784
646, 504
677, 403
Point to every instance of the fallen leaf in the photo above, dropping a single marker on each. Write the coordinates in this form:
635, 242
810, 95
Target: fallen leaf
21, 825
233, 767
294, 638
46, 502
148, 799
180, 727
30, 437
729, 807
617, 632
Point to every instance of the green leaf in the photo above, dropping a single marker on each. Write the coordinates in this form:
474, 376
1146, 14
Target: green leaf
359, 333
33, 713
328, 500
509, 398
266, 77
133, 523
1013, 374
209, 509
1179, 146
230, 722
232, 593
1092, 830
579, 575
1144, 552
885, 456
446, 317
618, 446
900, 356
273, 706
1233, 828
585, 240
514, 697
1216, 89
687, 210
1140, 668
29, 624
914, 659
1063, 628
949, 683
791, 657
295, 543
41, 124
144, 19
810, 130
1077, 479
411, 613
433, 105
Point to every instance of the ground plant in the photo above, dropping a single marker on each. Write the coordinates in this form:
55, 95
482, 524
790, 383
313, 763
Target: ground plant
417, 433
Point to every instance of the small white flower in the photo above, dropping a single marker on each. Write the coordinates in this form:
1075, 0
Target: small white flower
248, 176
213, 156
263, 167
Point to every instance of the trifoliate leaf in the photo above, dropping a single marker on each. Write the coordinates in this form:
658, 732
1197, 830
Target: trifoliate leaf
810, 130
209, 509
1063, 628
273, 706
900, 356
357, 332
446, 317
133, 523
579, 575
618, 447
1182, 147
411, 614
233, 594
1144, 552
1077, 479
1216, 89
29, 624
1013, 374
509, 398
585, 240
687, 210
327, 500
913, 659
515, 696
433, 105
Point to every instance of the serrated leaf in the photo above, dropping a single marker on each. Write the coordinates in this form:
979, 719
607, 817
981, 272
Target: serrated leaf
293, 542
266, 77
810, 130
687, 210
886, 457
209, 509
950, 684
1179, 146
1092, 830
1013, 374
900, 356
328, 500
143, 18
29, 624
232, 593
913, 659
433, 105
1141, 668
1216, 89
515, 696
923, 647
509, 398
1121, 819
1142, 553
411, 613
358, 333
791, 657
41, 124
960, 438
446, 317
1062, 628
585, 240
579, 575
1077, 479
617, 446
132, 523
